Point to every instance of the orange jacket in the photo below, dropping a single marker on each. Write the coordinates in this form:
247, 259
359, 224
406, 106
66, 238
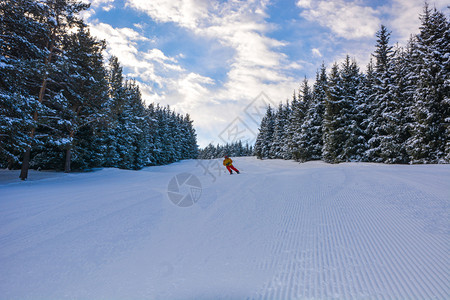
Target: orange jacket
227, 161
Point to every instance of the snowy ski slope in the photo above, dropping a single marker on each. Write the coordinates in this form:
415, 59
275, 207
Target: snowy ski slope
279, 230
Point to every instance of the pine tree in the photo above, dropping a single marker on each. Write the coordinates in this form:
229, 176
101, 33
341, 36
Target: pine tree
235, 149
297, 117
340, 132
57, 18
114, 108
363, 112
279, 132
381, 144
264, 139
85, 90
400, 111
429, 142
287, 135
331, 136
22, 51
351, 126
316, 114
311, 133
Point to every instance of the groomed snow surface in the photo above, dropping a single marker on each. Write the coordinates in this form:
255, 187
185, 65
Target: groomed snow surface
278, 230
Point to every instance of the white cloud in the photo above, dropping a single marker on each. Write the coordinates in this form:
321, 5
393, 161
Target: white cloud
100, 3
108, 7
348, 20
403, 17
256, 64
304, 3
316, 52
187, 13
151, 66
158, 55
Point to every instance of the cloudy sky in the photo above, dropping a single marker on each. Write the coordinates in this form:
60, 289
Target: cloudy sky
222, 61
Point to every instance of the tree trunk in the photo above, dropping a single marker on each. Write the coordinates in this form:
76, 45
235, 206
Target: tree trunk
10, 163
27, 154
25, 164
68, 160
69, 154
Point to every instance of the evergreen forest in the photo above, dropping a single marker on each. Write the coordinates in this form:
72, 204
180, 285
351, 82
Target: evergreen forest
64, 107
397, 111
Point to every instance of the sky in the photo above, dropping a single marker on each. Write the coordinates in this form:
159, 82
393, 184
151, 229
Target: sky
223, 61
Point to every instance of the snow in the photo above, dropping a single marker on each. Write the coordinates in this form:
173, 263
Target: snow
279, 230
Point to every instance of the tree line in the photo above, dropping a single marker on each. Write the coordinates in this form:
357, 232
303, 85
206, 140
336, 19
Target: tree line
398, 111
235, 149
62, 107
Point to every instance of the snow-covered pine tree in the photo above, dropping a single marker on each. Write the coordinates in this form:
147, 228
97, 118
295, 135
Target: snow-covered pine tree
332, 139
235, 149
311, 132
299, 108
364, 109
136, 121
22, 51
167, 137
289, 128
429, 142
151, 133
206, 153
400, 110
340, 131
287, 135
382, 147
114, 108
58, 17
190, 139
279, 132
351, 82
315, 115
264, 139
85, 89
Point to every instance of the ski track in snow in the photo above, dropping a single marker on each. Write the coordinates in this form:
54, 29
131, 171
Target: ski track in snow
279, 230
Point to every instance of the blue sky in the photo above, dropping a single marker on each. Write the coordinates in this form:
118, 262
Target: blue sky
224, 61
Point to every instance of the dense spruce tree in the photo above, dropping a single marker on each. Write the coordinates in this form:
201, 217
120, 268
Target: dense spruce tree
400, 114
189, 145
57, 17
351, 80
264, 139
299, 108
61, 108
22, 51
430, 133
114, 108
332, 137
130, 138
88, 95
364, 109
302, 138
381, 145
235, 149
279, 134
312, 128
397, 112
77, 108
286, 154
341, 131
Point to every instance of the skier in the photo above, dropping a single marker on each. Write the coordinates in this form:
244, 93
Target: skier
229, 164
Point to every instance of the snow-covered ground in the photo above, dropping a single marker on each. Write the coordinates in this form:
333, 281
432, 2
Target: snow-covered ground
279, 230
